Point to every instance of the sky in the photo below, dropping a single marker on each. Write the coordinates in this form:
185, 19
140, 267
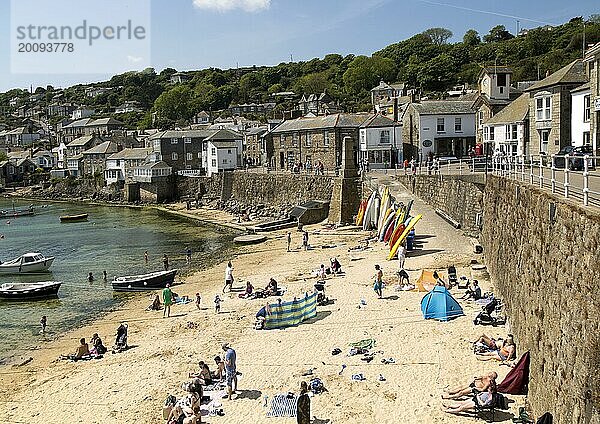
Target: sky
196, 34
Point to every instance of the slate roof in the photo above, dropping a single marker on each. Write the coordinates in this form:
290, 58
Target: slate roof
573, 73
517, 111
81, 141
79, 123
378, 121
443, 107
104, 121
496, 70
137, 153
382, 86
257, 130
102, 148
153, 165
338, 120
223, 144
583, 87
224, 135
181, 134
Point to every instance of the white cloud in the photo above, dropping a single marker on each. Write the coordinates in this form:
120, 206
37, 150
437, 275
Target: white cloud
227, 5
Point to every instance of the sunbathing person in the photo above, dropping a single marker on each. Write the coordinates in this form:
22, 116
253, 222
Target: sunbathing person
81, 351
271, 289
219, 374
478, 385
478, 401
184, 410
97, 346
506, 352
204, 376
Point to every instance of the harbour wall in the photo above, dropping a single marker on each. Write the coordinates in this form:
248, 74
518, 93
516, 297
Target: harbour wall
542, 254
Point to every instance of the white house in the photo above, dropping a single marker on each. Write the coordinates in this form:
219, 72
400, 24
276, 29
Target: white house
81, 112
508, 130
580, 115
60, 153
121, 165
443, 128
149, 172
222, 156
380, 142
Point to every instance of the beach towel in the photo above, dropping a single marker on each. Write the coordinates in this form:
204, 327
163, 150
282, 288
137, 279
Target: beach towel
286, 314
517, 380
283, 405
214, 387
364, 344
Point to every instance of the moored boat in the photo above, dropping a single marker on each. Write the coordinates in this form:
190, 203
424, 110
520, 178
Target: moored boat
142, 282
74, 218
27, 263
17, 212
29, 291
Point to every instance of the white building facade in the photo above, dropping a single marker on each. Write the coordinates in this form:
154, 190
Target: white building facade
380, 142
580, 116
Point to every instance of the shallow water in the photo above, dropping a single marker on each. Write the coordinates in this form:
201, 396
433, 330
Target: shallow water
112, 240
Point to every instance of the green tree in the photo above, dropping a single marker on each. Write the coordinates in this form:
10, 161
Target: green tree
174, 104
496, 34
471, 38
438, 36
313, 83
364, 73
438, 73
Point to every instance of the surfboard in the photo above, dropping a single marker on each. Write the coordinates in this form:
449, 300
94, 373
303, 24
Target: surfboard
385, 198
409, 227
375, 215
385, 226
367, 215
361, 212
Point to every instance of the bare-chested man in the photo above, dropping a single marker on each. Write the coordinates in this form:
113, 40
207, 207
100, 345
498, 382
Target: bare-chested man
478, 385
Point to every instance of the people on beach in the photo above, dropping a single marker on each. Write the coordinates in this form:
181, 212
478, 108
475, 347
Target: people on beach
321, 273
305, 240
188, 256
336, 267
473, 291
198, 300
271, 289
167, 295
477, 385
166, 262
402, 255
228, 277
146, 257
289, 240
121, 338
90, 277
506, 352
219, 374
217, 303
378, 285
82, 350
248, 292
303, 405
439, 281
230, 369
404, 281
97, 346
204, 375
43, 324
155, 305
480, 400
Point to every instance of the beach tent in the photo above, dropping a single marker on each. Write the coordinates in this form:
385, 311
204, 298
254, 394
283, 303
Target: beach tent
517, 380
439, 304
426, 282
287, 314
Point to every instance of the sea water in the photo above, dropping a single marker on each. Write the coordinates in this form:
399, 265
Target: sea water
113, 240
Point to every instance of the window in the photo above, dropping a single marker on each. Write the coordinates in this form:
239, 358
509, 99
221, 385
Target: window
174, 141
544, 138
187, 140
440, 125
458, 125
384, 137
295, 139
228, 151
224, 161
308, 140
542, 108
174, 156
501, 81
491, 133
501, 90
190, 156
213, 151
586, 108
326, 138
214, 163
281, 142
511, 131
199, 155
586, 138
480, 118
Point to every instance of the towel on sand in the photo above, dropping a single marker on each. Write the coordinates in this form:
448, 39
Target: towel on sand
364, 344
283, 405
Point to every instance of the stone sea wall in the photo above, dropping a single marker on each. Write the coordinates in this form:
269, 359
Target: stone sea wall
547, 270
461, 197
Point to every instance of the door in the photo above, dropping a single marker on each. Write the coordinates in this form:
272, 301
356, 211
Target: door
281, 160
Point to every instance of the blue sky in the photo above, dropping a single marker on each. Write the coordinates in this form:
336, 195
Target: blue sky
194, 34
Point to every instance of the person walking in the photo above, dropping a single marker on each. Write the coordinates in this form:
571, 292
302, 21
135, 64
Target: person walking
289, 240
401, 255
230, 369
166, 262
303, 405
228, 276
167, 300
305, 240
43, 323
378, 285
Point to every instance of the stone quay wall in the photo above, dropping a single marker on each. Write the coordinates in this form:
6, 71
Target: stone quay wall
461, 197
546, 268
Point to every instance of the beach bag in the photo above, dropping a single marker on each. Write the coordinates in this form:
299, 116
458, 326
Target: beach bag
316, 386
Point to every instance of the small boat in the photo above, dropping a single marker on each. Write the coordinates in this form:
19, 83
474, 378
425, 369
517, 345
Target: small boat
74, 218
152, 281
17, 212
27, 263
29, 291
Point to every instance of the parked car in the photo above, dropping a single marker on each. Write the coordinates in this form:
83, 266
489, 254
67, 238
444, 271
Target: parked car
576, 155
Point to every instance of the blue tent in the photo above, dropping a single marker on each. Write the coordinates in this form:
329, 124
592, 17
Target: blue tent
439, 304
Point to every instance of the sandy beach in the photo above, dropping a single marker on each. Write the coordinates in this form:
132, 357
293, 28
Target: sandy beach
130, 387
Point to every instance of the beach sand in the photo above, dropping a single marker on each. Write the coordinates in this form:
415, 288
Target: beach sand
130, 387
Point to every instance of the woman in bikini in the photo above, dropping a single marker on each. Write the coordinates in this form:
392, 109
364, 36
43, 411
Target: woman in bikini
506, 352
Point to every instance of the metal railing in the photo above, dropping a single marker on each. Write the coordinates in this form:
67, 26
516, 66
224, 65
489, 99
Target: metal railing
573, 177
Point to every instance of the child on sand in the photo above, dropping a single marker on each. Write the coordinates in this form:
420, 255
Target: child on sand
217, 304
378, 285
43, 323
198, 300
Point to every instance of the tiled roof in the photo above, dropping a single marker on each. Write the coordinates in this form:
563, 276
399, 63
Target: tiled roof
517, 111
573, 73
443, 107
582, 87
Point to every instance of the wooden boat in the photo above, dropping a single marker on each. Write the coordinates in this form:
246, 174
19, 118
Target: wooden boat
74, 218
17, 212
29, 291
27, 263
152, 281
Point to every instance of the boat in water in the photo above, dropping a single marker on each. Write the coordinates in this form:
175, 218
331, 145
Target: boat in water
74, 218
144, 282
29, 291
16, 212
27, 263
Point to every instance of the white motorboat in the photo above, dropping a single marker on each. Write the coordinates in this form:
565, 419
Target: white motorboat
27, 263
